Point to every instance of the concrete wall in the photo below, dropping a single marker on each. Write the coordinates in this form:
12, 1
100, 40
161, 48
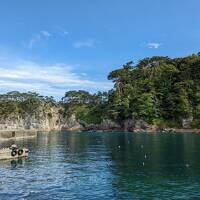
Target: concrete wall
12, 134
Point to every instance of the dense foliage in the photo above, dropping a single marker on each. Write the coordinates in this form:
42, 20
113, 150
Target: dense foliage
90, 108
15, 104
159, 90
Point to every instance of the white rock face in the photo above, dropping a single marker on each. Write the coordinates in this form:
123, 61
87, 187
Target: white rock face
44, 119
70, 124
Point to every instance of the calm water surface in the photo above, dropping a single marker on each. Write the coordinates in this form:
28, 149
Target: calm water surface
104, 166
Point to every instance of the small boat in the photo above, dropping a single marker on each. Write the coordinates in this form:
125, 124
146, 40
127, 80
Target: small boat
13, 152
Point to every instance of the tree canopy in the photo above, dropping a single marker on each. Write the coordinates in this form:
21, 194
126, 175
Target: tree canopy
158, 90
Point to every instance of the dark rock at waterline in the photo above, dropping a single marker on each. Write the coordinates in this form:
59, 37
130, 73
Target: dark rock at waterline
105, 125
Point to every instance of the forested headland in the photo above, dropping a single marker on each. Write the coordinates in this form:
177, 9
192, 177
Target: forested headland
161, 91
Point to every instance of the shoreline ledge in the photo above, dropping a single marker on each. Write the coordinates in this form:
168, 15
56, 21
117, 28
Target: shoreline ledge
23, 133
17, 134
170, 131
187, 130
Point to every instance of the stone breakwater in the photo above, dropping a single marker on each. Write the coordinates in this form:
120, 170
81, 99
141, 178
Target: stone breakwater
14, 134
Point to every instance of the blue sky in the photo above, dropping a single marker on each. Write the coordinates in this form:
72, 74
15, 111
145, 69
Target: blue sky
52, 46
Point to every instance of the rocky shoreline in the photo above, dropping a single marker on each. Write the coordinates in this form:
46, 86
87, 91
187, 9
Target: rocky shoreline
17, 134
134, 126
28, 127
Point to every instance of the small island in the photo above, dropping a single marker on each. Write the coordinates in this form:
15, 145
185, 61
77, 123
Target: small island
156, 94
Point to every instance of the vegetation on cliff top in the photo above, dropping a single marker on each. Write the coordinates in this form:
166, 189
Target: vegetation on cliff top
15, 104
159, 90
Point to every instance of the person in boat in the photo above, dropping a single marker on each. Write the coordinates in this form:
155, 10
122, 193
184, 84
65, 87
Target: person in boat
13, 147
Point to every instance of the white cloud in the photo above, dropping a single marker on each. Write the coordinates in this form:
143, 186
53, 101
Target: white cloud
83, 74
45, 33
38, 37
153, 45
33, 40
24, 75
90, 43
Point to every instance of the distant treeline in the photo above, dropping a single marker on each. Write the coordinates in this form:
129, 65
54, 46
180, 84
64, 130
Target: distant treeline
158, 90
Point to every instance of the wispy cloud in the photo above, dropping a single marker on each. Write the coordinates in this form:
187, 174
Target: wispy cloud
61, 32
90, 43
153, 45
38, 37
45, 33
55, 79
64, 33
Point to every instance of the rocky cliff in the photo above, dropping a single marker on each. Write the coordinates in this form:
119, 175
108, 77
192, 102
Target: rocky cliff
51, 118
41, 120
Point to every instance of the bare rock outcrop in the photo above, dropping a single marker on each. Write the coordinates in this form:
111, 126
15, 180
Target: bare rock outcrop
44, 119
70, 124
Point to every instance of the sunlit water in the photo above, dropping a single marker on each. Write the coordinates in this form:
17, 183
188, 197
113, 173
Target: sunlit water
104, 166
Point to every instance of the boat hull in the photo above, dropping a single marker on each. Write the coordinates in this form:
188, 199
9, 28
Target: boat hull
6, 153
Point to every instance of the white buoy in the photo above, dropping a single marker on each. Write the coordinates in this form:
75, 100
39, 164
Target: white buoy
145, 156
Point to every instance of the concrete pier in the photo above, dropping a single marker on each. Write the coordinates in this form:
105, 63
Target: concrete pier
14, 134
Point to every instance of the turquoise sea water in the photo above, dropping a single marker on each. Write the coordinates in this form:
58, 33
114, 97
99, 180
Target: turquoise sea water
104, 166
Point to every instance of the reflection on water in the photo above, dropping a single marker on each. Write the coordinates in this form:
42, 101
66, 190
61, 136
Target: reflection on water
14, 163
104, 165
